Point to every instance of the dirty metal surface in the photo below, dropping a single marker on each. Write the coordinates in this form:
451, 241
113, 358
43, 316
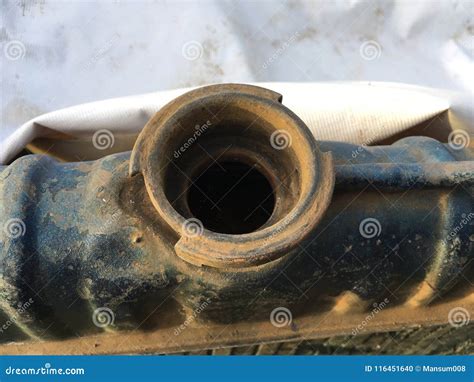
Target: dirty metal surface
425, 333
109, 256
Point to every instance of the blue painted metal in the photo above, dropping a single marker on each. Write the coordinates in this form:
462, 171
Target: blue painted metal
78, 236
85, 244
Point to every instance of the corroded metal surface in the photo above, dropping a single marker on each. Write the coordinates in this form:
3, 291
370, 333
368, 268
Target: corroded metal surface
242, 120
110, 257
418, 331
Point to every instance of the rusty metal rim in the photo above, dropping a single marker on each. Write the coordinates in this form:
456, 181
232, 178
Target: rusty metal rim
261, 246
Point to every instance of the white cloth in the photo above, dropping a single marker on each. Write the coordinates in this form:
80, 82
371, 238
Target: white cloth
362, 113
62, 53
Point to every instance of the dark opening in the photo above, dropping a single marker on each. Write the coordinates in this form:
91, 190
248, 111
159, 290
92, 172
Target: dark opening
231, 197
